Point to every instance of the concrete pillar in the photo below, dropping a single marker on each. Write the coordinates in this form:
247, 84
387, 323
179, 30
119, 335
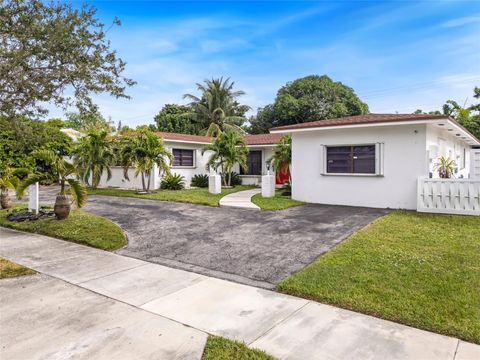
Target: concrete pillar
214, 183
268, 185
33, 200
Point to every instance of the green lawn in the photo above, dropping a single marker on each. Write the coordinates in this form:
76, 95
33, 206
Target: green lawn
80, 227
194, 196
278, 202
218, 348
9, 269
422, 270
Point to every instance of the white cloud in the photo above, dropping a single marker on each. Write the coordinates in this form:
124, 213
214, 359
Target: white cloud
467, 20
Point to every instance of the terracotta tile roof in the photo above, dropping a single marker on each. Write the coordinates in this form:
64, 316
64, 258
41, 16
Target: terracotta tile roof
263, 139
362, 119
184, 137
260, 139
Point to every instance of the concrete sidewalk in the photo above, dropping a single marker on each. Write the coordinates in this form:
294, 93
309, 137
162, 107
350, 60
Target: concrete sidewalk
240, 199
284, 326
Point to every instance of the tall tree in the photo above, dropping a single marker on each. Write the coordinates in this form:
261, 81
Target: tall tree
227, 149
217, 108
177, 118
469, 116
93, 156
315, 98
49, 50
263, 121
142, 151
87, 121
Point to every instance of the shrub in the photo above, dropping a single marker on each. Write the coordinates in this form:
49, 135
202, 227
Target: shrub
173, 182
236, 180
200, 180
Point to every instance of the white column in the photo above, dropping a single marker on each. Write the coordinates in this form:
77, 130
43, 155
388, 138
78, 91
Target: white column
268, 185
214, 183
33, 198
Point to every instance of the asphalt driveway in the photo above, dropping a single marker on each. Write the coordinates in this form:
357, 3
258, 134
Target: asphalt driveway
250, 247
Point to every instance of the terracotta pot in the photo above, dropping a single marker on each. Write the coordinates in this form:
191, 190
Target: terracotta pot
5, 201
62, 207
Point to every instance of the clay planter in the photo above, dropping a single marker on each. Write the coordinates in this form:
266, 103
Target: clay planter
62, 207
5, 201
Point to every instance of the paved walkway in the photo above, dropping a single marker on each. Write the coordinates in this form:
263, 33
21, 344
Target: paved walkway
241, 199
35, 311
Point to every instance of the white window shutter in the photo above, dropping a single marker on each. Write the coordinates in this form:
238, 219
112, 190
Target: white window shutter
323, 159
379, 156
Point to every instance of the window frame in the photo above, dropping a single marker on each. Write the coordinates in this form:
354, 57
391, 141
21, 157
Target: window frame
242, 173
194, 159
379, 158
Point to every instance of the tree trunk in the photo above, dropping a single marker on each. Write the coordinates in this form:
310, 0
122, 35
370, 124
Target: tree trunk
148, 182
229, 178
143, 181
5, 201
62, 207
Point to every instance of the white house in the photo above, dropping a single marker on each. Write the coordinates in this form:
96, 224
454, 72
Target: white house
376, 160
189, 160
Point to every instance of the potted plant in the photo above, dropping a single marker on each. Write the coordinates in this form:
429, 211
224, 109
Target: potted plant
64, 172
445, 167
8, 181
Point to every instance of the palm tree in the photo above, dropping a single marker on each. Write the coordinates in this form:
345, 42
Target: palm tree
143, 151
445, 167
228, 149
9, 181
94, 155
64, 171
282, 157
217, 108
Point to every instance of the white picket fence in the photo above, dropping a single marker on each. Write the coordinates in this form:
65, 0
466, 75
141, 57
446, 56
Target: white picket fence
449, 196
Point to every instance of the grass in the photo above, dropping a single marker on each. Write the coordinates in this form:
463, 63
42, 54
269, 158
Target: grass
421, 270
80, 227
278, 202
9, 269
219, 348
194, 196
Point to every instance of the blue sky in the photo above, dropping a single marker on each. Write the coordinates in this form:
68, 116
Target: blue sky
397, 55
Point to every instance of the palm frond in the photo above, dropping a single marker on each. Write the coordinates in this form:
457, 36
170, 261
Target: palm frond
78, 192
30, 180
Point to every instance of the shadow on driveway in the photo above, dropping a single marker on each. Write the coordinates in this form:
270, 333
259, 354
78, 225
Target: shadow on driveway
250, 247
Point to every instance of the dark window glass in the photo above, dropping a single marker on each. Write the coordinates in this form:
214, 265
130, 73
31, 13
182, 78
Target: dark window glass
183, 157
351, 159
254, 164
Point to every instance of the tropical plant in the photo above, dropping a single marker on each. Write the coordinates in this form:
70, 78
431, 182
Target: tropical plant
445, 167
142, 151
93, 156
282, 158
177, 118
235, 178
199, 180
172, 182
64, 171
9, 180
228, 149
469, 116
217, 108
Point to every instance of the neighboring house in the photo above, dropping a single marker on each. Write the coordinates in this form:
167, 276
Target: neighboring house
373, 160
189, 160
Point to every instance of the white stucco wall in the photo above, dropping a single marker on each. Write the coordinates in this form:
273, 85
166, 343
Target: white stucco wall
199, 162
117, 179
441, 142
404, 160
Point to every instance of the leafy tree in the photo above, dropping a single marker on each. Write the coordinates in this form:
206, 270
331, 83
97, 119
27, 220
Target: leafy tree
469, 117
49, 50
19, 137
9, 180
87, 121
228, 149
217, 109
282, 157
142, 151
263, 121
420, 111
315, 98
177, 118
93, 156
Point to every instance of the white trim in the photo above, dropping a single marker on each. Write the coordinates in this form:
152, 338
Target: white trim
185, 141
470, 139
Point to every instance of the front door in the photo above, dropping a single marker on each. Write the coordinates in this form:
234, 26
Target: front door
254, 163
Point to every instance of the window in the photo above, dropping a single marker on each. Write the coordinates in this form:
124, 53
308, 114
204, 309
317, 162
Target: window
254, 164
351, 159
183, 157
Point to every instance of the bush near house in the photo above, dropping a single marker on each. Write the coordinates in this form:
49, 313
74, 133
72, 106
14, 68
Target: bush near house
199, 180
417, 269
172, 182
